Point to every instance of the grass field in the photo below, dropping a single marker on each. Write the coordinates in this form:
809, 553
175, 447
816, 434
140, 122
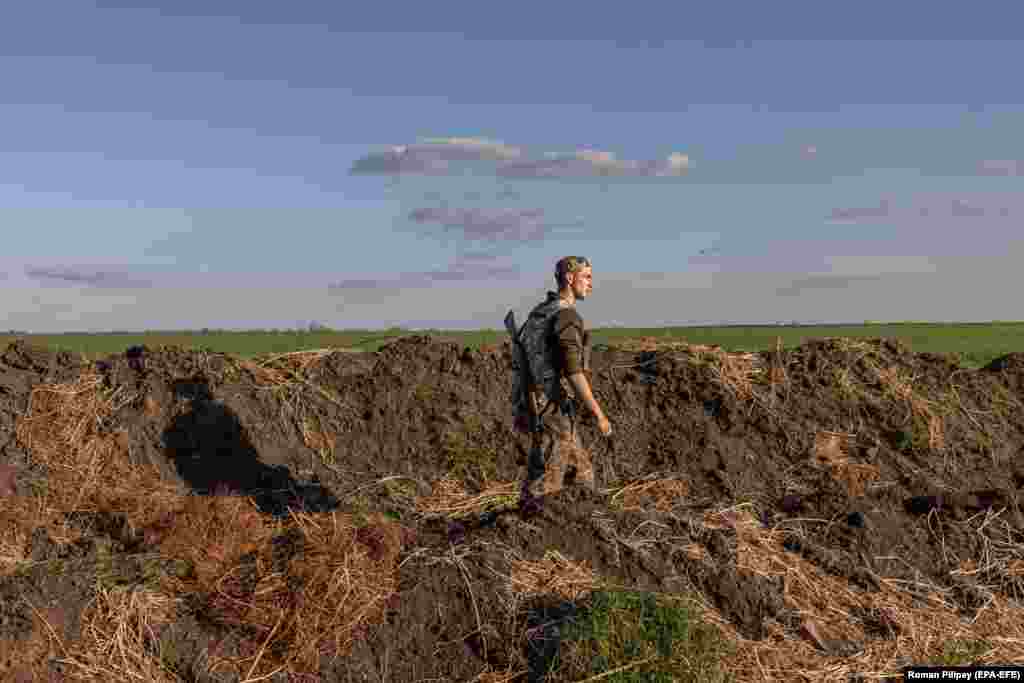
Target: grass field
977, 343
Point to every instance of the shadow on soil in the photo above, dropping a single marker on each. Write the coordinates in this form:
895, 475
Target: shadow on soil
212, 452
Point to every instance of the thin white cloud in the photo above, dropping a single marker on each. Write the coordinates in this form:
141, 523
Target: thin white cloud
593, 164
432, 156
87, 277
474, 149
399, 160
436, 156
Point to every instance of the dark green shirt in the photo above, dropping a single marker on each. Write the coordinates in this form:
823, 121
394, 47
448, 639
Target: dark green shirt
572, 339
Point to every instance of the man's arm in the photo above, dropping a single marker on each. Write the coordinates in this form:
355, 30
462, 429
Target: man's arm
585, 395
570, 333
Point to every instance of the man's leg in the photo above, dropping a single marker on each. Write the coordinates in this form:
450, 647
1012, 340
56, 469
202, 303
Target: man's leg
579, 464
557, 448
582, 463
554, 465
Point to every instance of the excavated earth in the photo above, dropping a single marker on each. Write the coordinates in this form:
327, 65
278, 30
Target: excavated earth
939, 448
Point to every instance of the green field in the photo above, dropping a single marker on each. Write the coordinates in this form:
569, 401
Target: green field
977, 343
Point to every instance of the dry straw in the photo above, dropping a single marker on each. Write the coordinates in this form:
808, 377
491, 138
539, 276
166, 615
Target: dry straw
553, 574
119, 641
921, 618
318, 603
661, 494
286, 368
449, 498
902, 388
736, 372
67, 428
338, 582
289, 372
318, 439
832, 450
213, 532
18, 516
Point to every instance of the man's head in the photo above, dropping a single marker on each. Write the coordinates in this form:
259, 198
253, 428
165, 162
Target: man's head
574, 276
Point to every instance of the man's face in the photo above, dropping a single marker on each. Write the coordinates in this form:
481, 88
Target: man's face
582, 282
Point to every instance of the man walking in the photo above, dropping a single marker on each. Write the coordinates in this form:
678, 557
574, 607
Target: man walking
564, 460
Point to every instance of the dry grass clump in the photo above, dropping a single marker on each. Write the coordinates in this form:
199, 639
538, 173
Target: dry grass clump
311, 600
999, 565
831, 449
736, 372
777, 373
648, 344
264, 376
660, 494
287, 375
902, 622
318, 439
27, 657
19, 516
449, 498
285, 368
67, 429
300, 587
119, 641
14, 540
300, 360
553, 574
211, 532
500, 676
295, 589
902, 389
733, 371
292, 609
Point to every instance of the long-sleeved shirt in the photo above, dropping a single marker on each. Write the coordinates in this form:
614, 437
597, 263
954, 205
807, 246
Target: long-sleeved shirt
572, 340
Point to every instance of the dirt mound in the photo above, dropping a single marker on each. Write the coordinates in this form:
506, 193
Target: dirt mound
842, 507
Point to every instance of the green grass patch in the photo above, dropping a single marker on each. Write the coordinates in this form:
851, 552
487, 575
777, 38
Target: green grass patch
976, 343
424, 393
465, 454
638, 637
963, 652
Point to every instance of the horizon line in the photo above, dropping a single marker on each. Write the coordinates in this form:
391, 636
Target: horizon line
331, 330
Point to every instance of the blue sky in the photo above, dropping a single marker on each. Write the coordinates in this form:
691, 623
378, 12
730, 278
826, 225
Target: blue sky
263, 164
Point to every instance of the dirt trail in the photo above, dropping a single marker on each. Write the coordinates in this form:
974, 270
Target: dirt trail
839, 508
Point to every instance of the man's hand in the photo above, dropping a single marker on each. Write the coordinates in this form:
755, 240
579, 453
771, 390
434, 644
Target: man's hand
604, 425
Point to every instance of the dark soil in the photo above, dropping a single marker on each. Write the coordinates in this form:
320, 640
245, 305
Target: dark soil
209, 423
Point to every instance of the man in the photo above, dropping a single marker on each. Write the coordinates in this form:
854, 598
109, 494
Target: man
564, 458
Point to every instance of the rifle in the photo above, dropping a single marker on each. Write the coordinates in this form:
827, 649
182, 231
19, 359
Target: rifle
519, 352
535, 459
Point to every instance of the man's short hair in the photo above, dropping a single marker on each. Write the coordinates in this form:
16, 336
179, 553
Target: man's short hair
569, 264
